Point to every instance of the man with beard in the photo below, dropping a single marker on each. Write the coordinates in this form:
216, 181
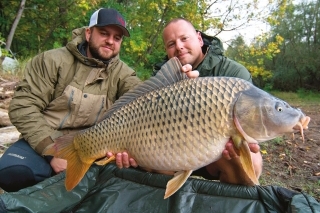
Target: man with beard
65, 90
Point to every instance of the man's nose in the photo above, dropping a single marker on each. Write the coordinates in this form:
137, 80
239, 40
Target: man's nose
179, 45
109, 40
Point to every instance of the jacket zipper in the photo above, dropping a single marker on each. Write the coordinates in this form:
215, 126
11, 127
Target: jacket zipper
101, 107
69, 109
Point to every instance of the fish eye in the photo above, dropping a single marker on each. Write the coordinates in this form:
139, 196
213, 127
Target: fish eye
279, 107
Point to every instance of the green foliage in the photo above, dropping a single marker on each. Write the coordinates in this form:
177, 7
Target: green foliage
308, 95
48, 24
255, 56
297, 66
302, 97
287, 57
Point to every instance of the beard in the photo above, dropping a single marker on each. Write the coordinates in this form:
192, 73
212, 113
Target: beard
95, 52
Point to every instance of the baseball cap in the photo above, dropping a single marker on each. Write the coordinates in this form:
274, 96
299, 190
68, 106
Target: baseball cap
106, 16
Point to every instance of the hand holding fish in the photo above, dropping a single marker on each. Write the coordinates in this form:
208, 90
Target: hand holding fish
228, 168
123, 160
58, 164
229, 159
143, 124
187, 69
230, 153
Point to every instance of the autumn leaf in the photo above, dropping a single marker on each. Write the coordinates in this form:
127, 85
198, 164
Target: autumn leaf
264, 152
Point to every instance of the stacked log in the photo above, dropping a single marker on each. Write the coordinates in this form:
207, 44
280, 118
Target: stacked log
8, 133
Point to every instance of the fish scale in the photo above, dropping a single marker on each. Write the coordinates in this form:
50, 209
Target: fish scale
171, 123
170, 137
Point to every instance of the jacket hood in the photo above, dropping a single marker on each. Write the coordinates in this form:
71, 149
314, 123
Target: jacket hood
78, 37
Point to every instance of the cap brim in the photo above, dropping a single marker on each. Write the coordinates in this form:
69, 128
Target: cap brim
124, 30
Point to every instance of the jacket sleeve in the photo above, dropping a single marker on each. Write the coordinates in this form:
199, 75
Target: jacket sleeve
127, 80
31, 97
216, 64
234, 69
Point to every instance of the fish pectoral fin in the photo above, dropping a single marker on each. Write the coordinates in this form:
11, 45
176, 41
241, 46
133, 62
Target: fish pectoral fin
176, 182
246, 162
105, 160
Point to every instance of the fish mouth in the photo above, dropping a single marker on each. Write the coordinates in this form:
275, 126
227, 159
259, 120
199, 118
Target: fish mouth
301, 125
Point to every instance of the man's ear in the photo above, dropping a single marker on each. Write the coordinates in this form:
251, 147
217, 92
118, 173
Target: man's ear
200, 39
88, 34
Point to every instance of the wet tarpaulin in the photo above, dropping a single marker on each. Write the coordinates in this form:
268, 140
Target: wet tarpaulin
109, 189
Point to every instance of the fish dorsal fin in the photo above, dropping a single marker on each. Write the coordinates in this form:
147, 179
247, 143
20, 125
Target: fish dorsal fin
169, 73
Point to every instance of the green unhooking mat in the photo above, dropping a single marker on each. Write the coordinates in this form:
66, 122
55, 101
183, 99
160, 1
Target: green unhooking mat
109, 189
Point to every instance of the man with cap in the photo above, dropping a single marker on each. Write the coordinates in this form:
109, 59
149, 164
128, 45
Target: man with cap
65, 90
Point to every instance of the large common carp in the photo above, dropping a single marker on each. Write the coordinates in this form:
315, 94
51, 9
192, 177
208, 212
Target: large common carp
172, 123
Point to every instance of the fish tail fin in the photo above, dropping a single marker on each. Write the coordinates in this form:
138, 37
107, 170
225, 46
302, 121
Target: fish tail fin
176, 182
76, 168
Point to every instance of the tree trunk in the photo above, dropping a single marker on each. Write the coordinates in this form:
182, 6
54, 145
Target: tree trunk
15, 24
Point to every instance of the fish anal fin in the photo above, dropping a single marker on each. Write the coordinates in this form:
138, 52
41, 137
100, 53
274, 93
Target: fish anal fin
105, 160
176, 182
246, 163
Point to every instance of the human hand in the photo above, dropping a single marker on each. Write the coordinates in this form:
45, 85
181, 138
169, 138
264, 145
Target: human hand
229, 167
187, 69
123, 160
58, 165
231, 153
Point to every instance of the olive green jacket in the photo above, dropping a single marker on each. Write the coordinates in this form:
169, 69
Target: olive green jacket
65, 91
216, 64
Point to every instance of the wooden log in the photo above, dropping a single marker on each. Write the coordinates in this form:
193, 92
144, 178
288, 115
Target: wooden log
4, 118
8, 135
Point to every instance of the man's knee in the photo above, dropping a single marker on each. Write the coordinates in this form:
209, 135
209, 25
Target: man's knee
14, 178
21, 166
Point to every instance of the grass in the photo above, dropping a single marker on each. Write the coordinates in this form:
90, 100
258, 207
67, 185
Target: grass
301, 97
283, 165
